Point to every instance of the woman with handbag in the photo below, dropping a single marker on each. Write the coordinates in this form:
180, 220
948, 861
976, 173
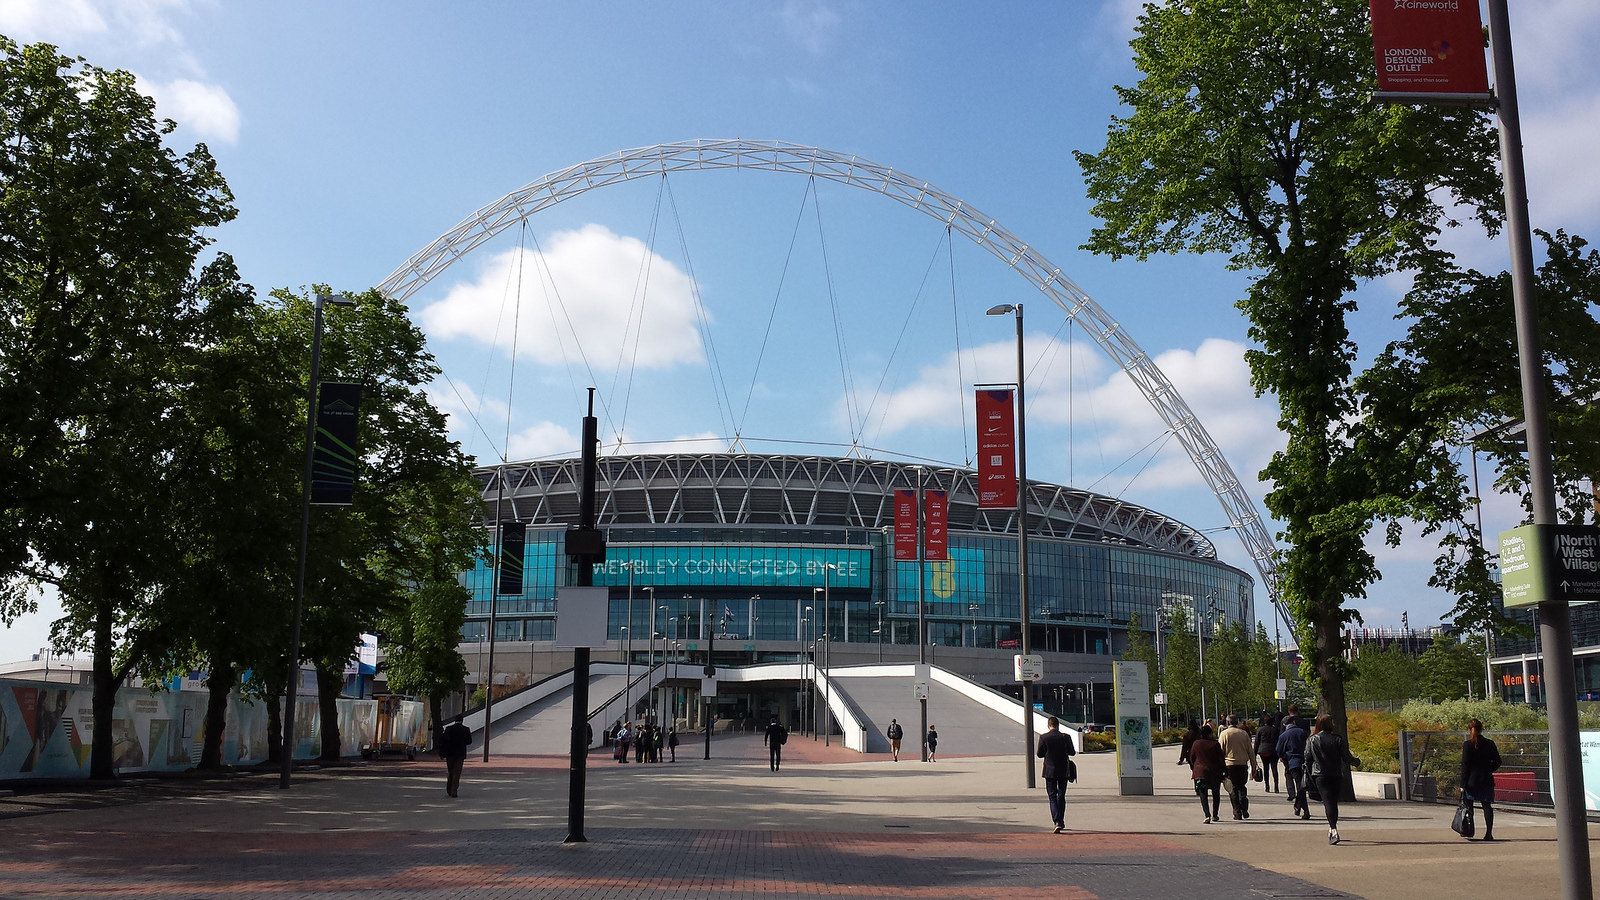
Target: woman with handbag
1206, 767
1479, 760
1327, 759
1267, 734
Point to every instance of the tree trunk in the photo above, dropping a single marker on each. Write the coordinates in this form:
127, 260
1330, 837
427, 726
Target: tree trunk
219, 684
274, 725
104, 703
436, 715
329, 684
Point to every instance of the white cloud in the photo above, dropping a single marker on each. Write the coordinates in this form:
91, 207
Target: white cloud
205, 108
544, 439
1563, 171
698, 442
1214, 381
56, 21
459, 404
594, 272
810, 23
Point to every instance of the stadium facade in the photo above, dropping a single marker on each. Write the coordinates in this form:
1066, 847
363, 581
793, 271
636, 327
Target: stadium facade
746, 546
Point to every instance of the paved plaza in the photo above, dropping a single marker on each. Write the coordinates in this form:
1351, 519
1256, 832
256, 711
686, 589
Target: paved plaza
832, 823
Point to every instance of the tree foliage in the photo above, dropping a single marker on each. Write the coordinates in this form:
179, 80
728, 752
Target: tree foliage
1252, 132
101, 223
1261, 686
1385, 675
1141, 648
1181, 666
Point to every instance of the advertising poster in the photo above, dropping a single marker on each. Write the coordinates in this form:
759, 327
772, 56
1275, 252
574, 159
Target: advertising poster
1429, 47
513, 544
334, 456
997, 450
1589, 754
936, 525
905, 525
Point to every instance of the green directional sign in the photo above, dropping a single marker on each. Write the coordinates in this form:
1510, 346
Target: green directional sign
1541, 563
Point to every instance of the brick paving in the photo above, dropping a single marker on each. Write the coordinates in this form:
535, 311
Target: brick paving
622, 863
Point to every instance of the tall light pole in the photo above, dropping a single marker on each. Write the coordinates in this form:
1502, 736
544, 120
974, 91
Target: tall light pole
287, 763
627, 651
922, 617
800, 648
810, 676
827, 657
1022, 532
973, 608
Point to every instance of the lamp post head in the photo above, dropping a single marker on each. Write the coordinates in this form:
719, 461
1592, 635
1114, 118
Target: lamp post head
1004, 309
335, 299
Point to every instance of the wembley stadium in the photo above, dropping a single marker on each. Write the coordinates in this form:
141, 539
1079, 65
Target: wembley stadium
766, 557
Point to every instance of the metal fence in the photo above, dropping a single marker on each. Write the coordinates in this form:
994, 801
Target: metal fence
1430, 766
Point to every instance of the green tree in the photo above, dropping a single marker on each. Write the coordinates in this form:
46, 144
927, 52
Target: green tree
1141, 648
1227, 668
100, 226
1262, 672
1448, 668
409, 524
1386, 675
1181, 668
1253, 132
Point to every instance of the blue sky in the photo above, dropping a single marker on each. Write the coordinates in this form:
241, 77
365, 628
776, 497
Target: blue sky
354, 134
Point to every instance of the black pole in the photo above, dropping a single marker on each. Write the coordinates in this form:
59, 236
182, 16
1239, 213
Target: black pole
710, 672
286, 764
580, 655
1559, 681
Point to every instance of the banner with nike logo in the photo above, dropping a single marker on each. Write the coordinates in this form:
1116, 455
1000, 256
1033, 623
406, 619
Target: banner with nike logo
997, 449
905, 525
936, 521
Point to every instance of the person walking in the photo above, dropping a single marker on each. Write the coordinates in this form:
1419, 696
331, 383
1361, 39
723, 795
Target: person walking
454, 741
1267, 733
1292, 750
775, 737
1192, 732
1327, 759
1239, 756
1056, 749
895, 733
672, 742
1479, 760
1206, 764
933, 743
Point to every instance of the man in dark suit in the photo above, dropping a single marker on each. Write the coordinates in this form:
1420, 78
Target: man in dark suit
454, 741
775, 737
1056, 749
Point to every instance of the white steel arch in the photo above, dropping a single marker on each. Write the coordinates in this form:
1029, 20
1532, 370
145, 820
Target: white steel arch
797, 159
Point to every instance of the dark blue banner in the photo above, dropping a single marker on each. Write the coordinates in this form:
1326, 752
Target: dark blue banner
334, 457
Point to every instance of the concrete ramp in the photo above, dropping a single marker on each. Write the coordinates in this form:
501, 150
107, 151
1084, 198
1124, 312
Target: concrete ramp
542, 727
972, 720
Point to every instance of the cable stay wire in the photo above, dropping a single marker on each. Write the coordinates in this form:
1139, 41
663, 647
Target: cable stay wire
719, 383
961, 375
851, 406
467, 408
1146, 465
744, 414
1130, 458
641, 292
505, 300
516, 323
904, 326
1071, 385
577, 342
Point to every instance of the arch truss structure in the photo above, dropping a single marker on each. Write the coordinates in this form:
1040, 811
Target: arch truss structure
955, 213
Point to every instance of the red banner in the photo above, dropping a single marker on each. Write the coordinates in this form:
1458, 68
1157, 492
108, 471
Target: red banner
997, 450
905, 526
936, 521
1429, 47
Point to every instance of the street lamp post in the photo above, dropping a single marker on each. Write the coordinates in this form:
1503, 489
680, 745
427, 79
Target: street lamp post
827, 655
973, 608
287, 762
1022, 533
807, 649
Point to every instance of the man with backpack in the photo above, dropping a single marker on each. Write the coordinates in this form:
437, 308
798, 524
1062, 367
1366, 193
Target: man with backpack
895, 733
775, 737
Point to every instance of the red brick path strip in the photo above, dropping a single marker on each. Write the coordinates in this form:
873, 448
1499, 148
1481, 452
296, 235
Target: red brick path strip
620, 863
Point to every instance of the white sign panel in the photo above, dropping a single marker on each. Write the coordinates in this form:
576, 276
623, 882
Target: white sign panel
581, 617
919, 690
1161, 699
1027, 668
1131, 690
708, 687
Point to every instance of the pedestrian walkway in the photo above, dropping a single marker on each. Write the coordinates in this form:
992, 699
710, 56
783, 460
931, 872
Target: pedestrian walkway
731, 828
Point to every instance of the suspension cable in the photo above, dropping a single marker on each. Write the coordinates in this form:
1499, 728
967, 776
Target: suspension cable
577, 342
1147, 463
961, 375
851, 405
887, 366
1130, 458
641, 293
799, 216
718, 381
516, 323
